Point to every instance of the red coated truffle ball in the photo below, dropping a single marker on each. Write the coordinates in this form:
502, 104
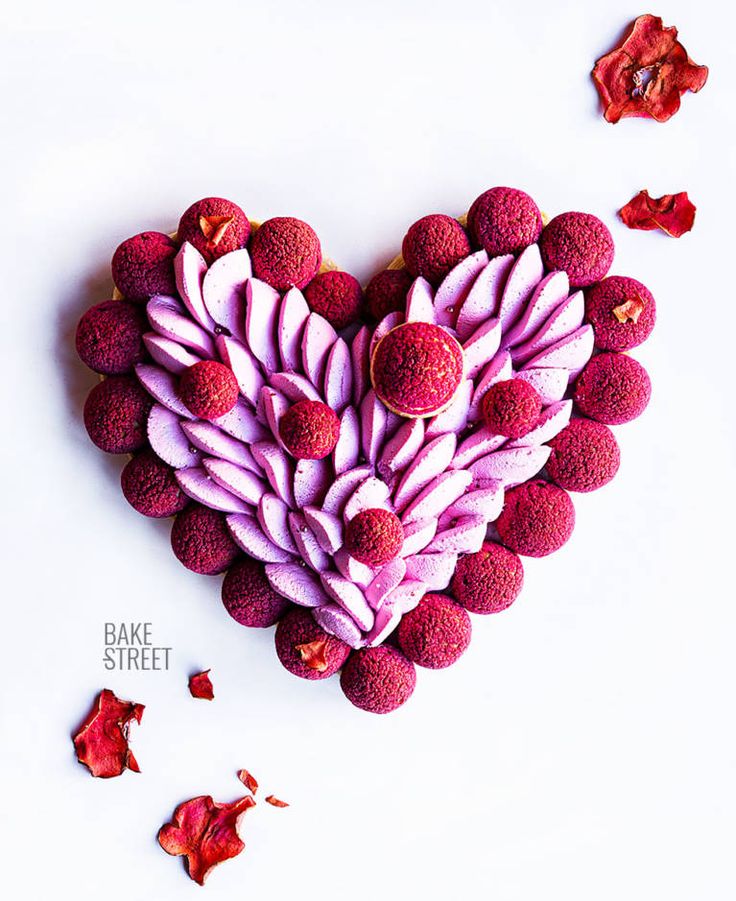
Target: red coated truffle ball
309, 430
150, 486
248, 596
215, 226
622, 312
110, 337
511, 408
435, 633
378, 680
374, 536
585, 456
144, 265
116, 413
433, 246
488, 581
504, 220
285, 252
580, 244
416, 369
537, 519
613, 388
386, 292
201, 540
305, 649
337, 296
209, 389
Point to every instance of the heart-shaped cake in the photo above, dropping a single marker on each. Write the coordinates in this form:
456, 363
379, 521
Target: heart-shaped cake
367, 466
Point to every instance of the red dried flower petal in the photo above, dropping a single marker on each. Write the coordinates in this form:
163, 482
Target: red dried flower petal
102, 741
200, 686
214, 227
275, 802
205, 832
630, 310
314, 654
248, 780
647, 74
673, 213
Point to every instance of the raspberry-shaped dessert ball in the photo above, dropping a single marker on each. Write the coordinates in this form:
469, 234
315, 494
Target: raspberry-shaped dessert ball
201, 540
537, 519
215, 227
511, 408
209, 389
488, 581
386, 292
248, 596
285, 253
144, 265
436, 633
378, 680
580, 244
613, 388
150, 486
504, 220
416, 369
622, 312
374, 536
433, 246
309, 430
115, 414
337, 296
305, 649
585, 456
110, 337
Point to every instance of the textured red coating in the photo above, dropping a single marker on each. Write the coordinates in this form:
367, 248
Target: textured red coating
674, 214
101, 743
374, 536
309, 430
215, 226
378, 680
337, 296
285, 253
511, 408
150, 486
622, 312
416, 369
201, 540
110, 337
578, 244
585, 456
386, 292
433, 246
209, 389
537, 518
435, 633
115, 414
613, 388
504, 220
144, 265
298, 628
248, 596
488, 581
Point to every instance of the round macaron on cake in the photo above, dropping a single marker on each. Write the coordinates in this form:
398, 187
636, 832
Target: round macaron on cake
367, 465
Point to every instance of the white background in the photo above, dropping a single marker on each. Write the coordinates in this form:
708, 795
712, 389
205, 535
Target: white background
584, 746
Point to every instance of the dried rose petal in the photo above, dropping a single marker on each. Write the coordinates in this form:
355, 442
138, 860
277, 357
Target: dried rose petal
205, 832
248, 780
275, 802
630, 310
673, 213
647, 74
102, 741
200, 686
313, 654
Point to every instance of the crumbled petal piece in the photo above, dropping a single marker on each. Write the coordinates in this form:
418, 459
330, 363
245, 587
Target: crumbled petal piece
313, 654
275, 802
102, 741
200, 686
205, 832
248, 780
674, 214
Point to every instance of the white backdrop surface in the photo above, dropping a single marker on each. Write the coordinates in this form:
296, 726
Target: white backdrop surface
584, 747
